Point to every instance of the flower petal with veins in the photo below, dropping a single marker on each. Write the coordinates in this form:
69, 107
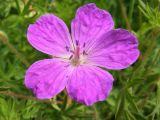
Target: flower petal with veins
49, 34
89, 23
116, 49
89, 84
47, 77
76, 65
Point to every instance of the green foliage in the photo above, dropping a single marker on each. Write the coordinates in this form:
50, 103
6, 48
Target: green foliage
136, 91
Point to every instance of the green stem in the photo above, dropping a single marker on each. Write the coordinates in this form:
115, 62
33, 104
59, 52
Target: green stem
124, 14
12, 94
26, 6
96, 113
4, 40
131, 10
18, 7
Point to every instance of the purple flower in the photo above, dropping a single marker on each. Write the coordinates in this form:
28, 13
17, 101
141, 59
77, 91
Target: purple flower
77, 59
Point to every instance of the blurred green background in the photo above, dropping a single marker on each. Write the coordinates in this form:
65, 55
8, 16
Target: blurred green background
136, 91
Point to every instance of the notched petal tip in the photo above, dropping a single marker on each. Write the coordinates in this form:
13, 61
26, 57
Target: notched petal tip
90, 22
49, 34
89, 84
46, 78
115, 50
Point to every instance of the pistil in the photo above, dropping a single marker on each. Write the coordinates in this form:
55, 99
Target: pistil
77, 52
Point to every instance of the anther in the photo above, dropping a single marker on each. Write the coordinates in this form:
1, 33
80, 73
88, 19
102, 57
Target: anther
84, 44
67, 48
84, 53
77, 42
71, 51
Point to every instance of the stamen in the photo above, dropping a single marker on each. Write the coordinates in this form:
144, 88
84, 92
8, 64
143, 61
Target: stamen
71, 51
84, 52
76, 53
84, 44
70, 57
77, 42
67, 48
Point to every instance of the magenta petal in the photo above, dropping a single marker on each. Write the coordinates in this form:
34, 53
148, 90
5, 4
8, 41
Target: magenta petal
89, 23
50, 35
89, 84
116, 49
47, 77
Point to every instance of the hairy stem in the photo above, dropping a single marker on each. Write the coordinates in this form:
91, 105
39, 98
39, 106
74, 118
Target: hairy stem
69, 100
12, 94
4, 40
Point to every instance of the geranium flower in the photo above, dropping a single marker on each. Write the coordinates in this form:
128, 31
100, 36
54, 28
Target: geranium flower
77, 60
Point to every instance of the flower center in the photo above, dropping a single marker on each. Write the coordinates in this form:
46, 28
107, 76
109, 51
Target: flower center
76, 57
79, 56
